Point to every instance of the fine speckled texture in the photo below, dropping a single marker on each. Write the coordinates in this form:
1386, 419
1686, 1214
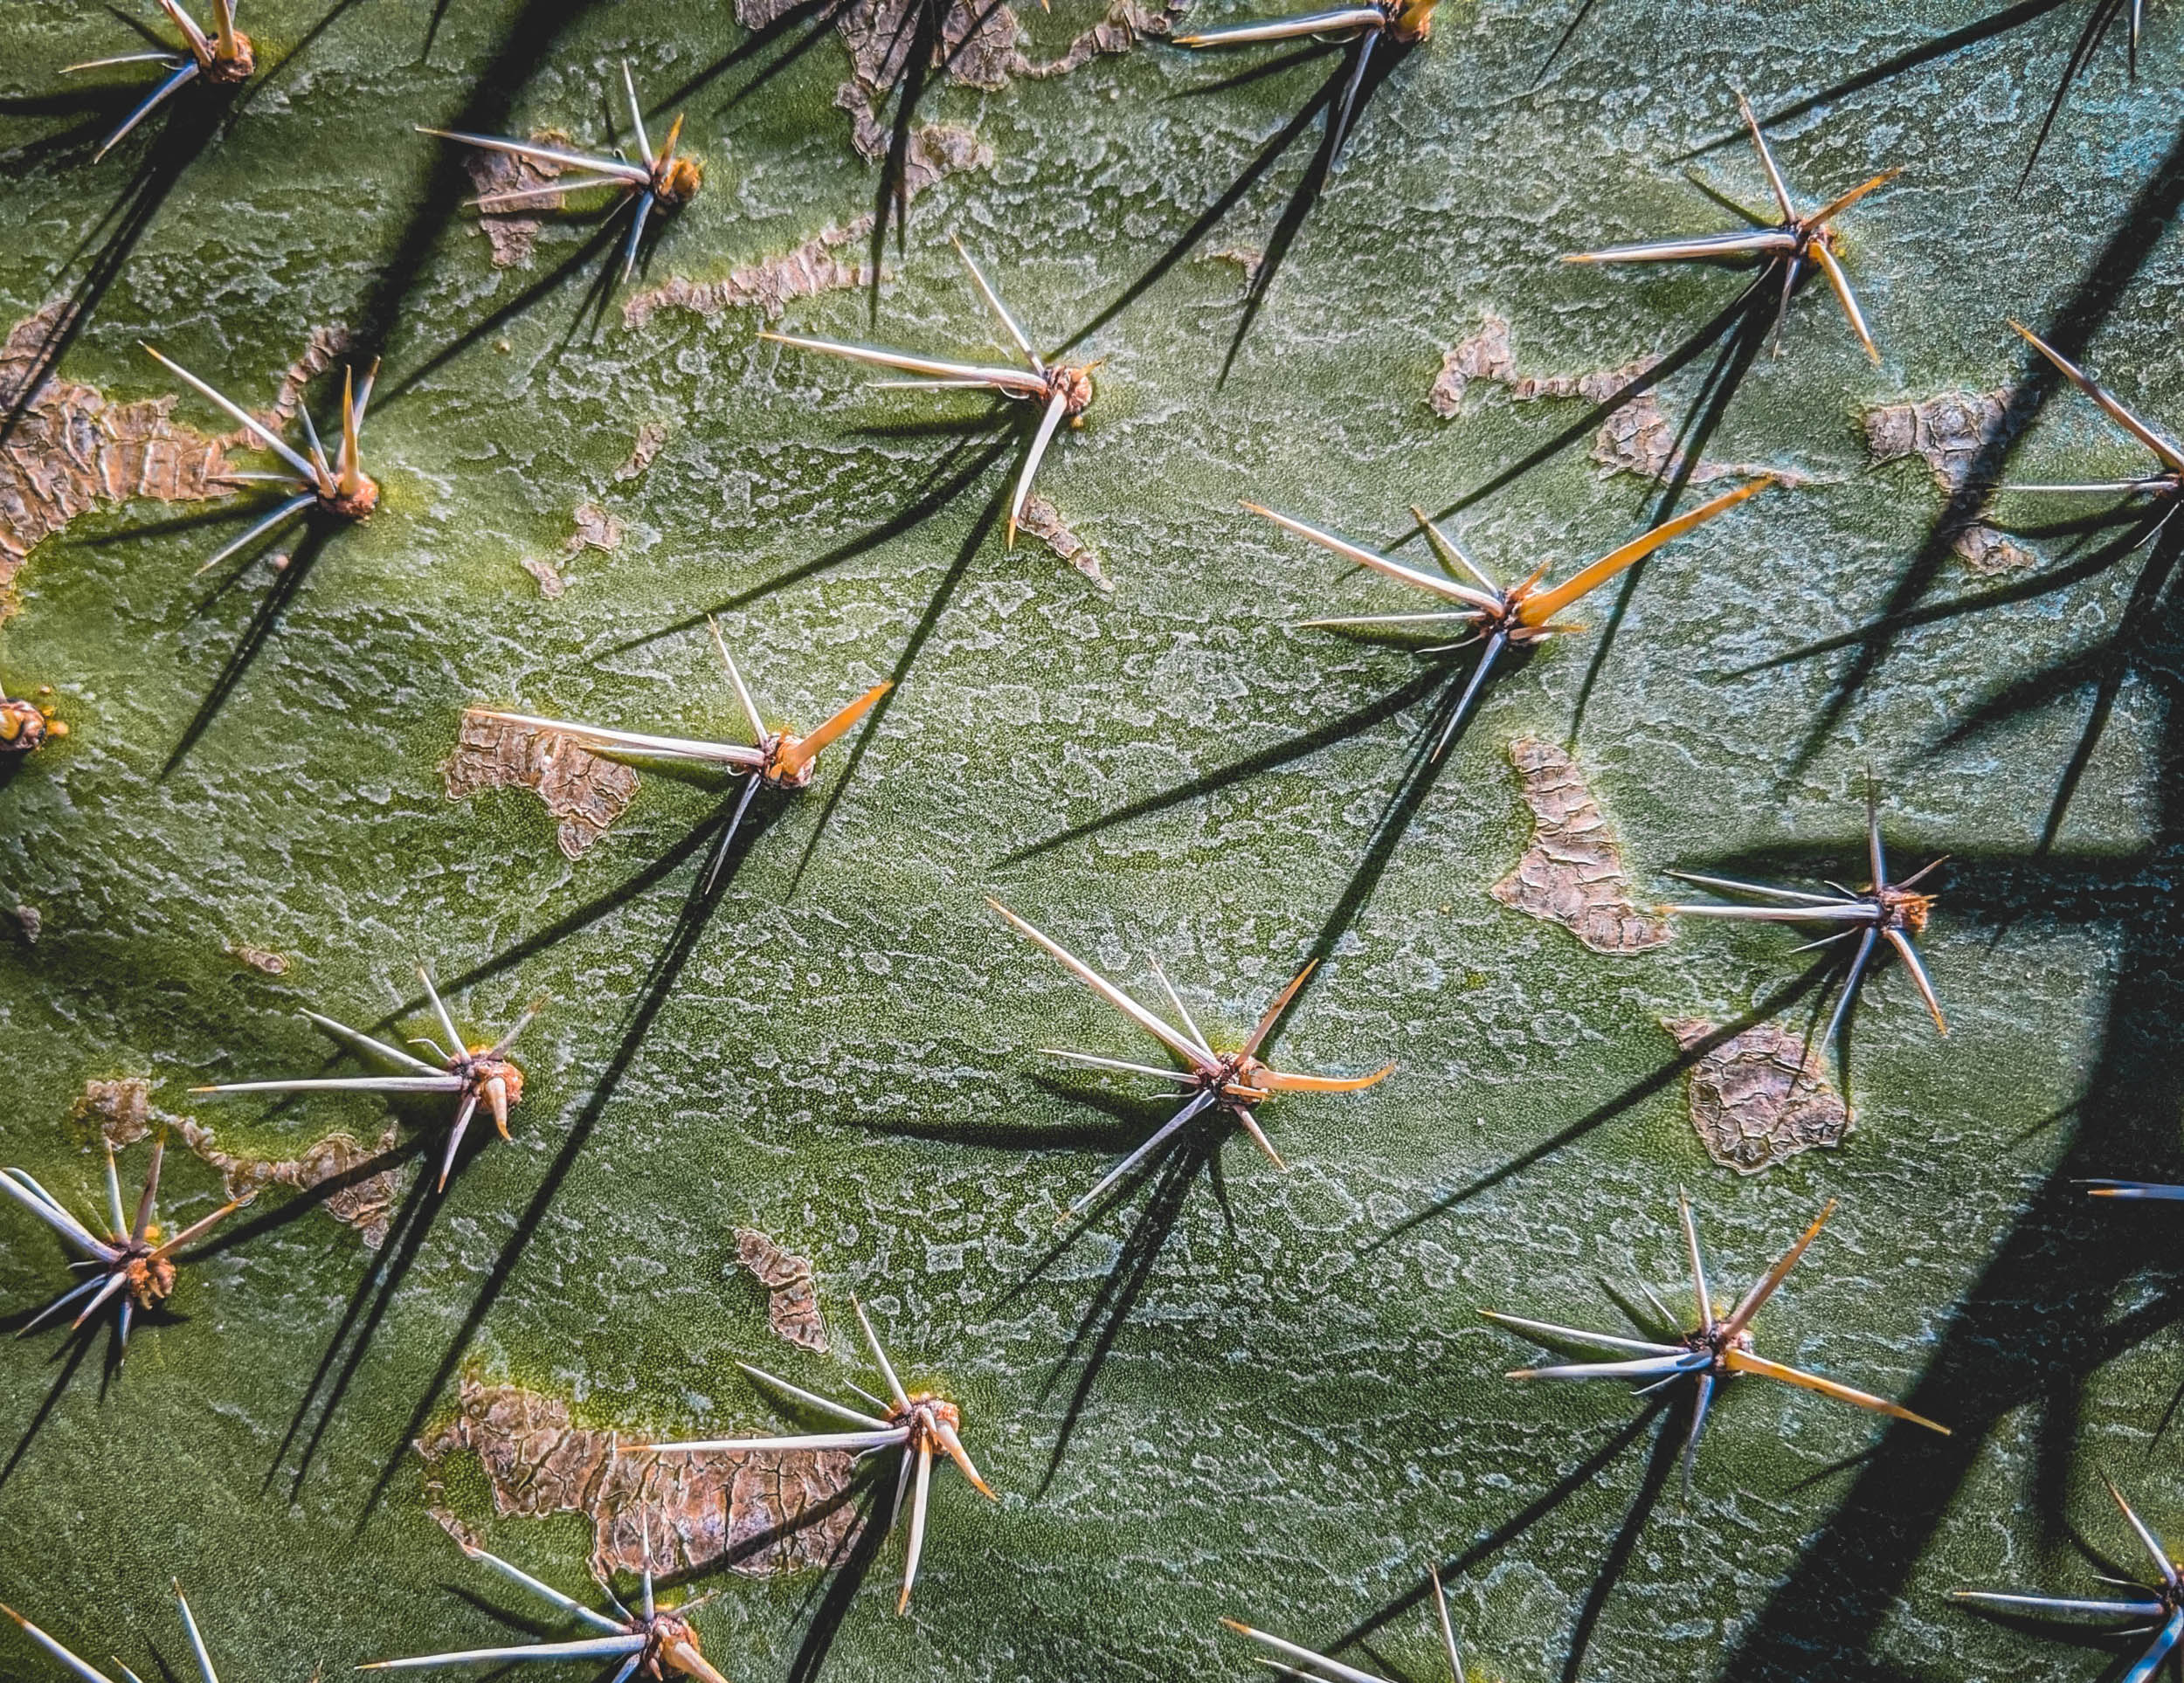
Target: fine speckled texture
1261, 1393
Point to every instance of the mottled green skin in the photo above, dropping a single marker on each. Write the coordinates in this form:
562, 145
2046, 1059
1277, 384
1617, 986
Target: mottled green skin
1294, 1419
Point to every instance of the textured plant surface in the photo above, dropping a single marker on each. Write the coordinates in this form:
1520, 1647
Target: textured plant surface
1238, 1391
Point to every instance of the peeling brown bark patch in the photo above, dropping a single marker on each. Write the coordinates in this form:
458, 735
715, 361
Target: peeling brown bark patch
1485, 356
814, 267
366, 1203
259, 958
824, 263
549, 581
1245, 258
1636, 438
320, 347
1124, 26
978, 44
1760, 1097
512, 232
73, 450
586, 792
650, 437
1573, 872
120, 1110
757, 1514
596, 529
1947, 433
791, 1295
1040, 520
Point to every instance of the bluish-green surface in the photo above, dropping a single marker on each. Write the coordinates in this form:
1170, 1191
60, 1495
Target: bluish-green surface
1300, 1411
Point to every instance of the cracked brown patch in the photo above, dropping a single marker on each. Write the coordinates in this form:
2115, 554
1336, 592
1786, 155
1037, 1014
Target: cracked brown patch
120, 1110
979, 46
321, 347
32, 922
586, 792
1760, 1096
596, 529
514, 233
1041, 521
1636, 438
759, 1513
365, 1202
1485, 356
1947, 433
1573, 872
649, 438
259, 958
822, 263
811, 268
549, 582
791, 1295
73, 450
1245, 258
1124, 26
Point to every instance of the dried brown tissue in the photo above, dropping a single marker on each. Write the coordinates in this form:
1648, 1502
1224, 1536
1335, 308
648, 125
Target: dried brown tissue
649, 438
1573, 872
1760, 1096
755, 1513
1636, 438
819, 263
595, 529
365, 1202
512, 232
74, 450
792, 1292
1947, 432
980, 46
1040, 520
122, 1112
585, 792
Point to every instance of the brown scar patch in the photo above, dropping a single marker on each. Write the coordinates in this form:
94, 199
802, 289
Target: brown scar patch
1485, 356
1947, 433
512, 233
583, 789
1247, 258
811, 268
1124, 26
791, 1295
120, 1110
650, 437
549, 582
28, 919
1041, 521
596, 529
979, 45
825, 262
1636, 438
259, 958
1760, 1096
320, 347
73, 450
366, 1203
758, 1512
1573, 872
